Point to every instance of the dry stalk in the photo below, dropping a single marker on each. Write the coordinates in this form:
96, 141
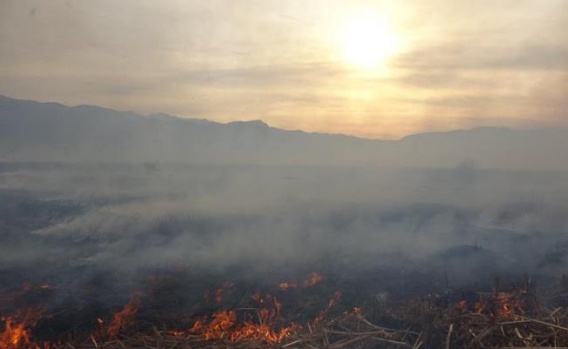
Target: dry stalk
449, 336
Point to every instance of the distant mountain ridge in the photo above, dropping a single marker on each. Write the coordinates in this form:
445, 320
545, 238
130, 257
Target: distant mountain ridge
33, 131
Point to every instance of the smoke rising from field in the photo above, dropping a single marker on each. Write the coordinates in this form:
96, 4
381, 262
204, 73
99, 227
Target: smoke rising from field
277, 219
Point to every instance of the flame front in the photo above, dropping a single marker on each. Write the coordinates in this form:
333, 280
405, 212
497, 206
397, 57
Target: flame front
16, 334
123, 319
313, 280
262, 322
498, 306
224, 324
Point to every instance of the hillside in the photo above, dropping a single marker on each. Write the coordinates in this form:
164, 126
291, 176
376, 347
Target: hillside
51, 132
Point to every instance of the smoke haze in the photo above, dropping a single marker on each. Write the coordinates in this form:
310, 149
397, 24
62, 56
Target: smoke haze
461, 206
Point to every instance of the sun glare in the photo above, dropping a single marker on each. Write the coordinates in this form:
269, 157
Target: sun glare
367, 41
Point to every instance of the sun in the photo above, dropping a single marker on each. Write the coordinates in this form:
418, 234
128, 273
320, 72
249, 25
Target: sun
367, 41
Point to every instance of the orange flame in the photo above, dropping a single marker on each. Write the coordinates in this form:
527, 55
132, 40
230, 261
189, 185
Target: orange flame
265, 324
224, 324
313, 280
124, 318
176, 333
507, 306
502, 305
336, 296
262, 332
284, 285
218, 295
16, 334
218, 328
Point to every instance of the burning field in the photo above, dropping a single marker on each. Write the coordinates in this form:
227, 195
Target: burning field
316, 312
198, 258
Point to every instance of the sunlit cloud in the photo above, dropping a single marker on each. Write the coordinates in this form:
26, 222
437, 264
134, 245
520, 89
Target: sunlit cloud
365, 68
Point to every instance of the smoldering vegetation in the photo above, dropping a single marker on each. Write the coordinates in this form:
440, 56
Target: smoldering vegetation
72, 224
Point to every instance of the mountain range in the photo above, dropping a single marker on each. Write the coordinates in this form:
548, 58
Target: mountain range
52, 132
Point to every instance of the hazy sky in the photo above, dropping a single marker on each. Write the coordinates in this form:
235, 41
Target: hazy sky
379, 69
